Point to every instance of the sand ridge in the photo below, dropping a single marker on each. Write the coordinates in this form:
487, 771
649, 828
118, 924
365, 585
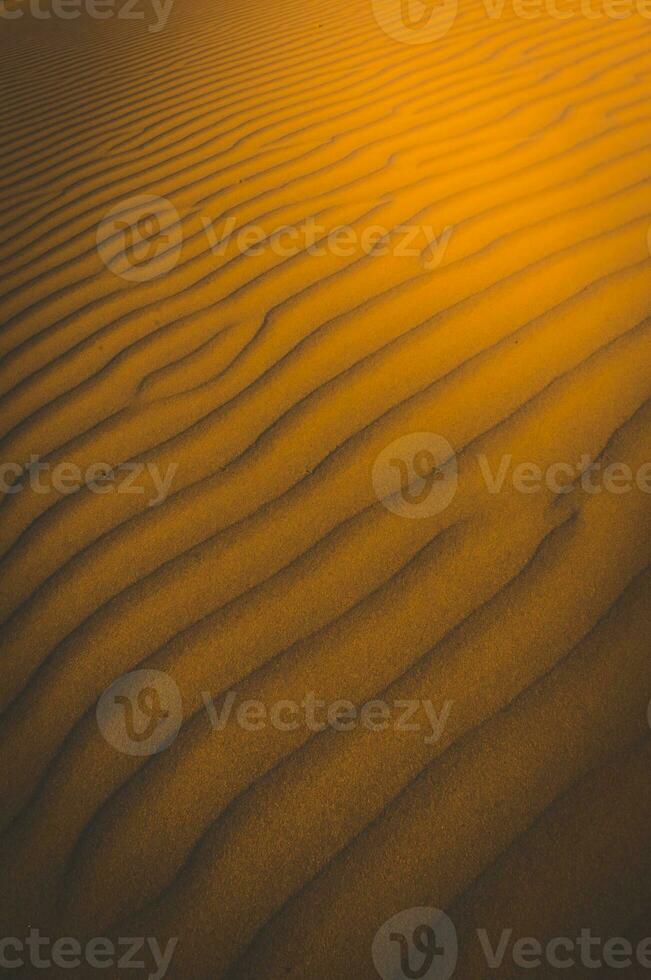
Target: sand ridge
513, 154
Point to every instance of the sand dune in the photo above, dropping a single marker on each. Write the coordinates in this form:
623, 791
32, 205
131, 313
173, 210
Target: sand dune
245, 253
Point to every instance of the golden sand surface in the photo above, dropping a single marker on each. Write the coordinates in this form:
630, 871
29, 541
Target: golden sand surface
278, 403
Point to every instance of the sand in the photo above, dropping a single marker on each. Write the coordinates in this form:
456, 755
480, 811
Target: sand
179, 306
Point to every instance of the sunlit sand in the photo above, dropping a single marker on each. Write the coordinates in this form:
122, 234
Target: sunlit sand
360, 238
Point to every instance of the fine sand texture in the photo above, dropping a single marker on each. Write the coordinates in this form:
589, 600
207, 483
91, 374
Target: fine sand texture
325, 380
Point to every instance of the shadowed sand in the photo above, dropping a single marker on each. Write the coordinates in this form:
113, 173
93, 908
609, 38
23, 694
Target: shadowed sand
266, 385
